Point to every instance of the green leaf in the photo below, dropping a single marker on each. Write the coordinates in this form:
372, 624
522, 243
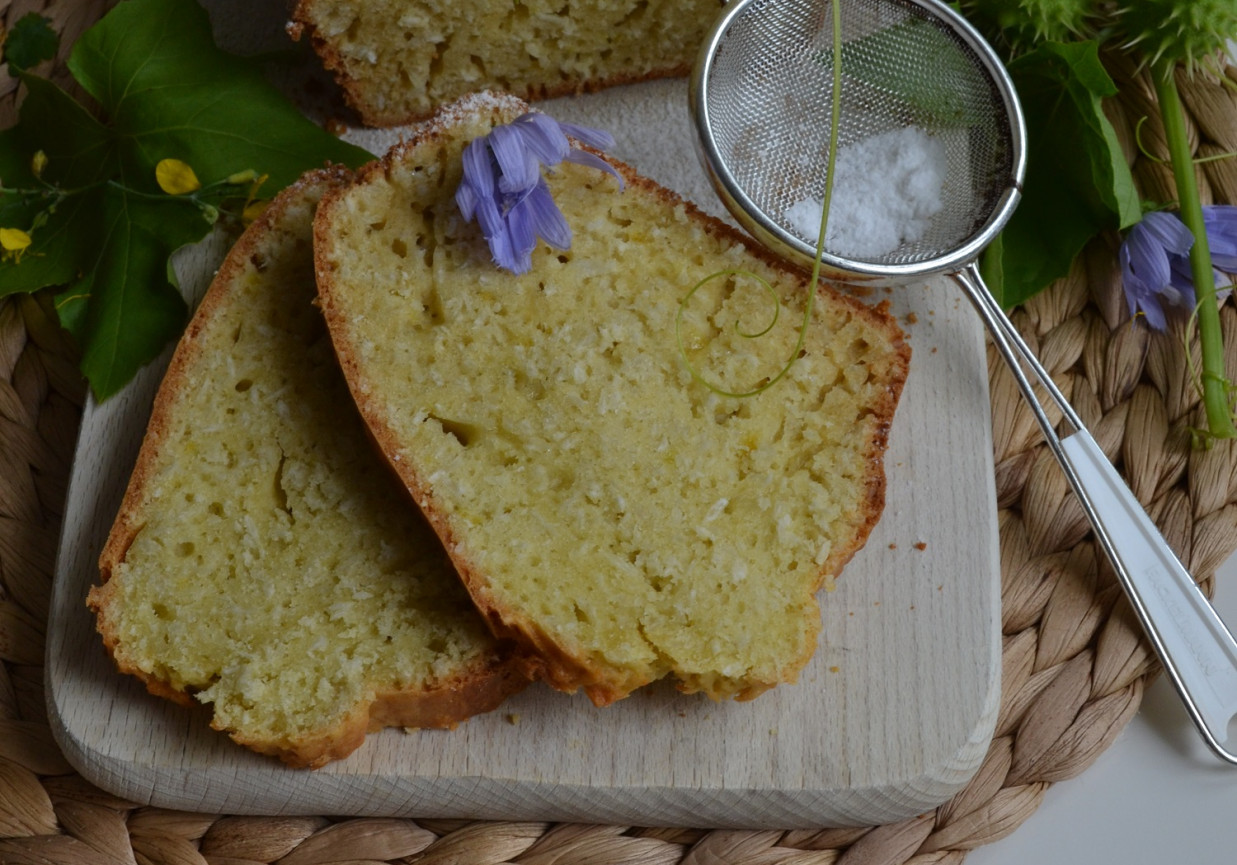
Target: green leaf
170, 92
61, 247
144, 310
30, 41
80, 151
1078, 183
99, 223
950, 96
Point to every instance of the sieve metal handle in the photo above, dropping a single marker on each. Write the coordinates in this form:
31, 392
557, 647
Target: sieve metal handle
1196, 648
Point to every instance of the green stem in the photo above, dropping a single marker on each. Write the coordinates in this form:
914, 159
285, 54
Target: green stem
1215, 385
814, 283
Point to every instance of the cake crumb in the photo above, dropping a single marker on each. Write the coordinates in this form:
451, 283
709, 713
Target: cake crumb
513, 718
921, 545
912, 318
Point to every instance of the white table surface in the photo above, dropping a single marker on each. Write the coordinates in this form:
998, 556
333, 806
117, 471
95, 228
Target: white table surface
1157, 795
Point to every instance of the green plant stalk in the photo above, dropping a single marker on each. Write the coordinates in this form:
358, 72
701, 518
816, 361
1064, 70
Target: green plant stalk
1215, 385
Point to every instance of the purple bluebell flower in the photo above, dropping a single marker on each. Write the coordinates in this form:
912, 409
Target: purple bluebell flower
1220, 221
1163, 238
503, 187
1147, 273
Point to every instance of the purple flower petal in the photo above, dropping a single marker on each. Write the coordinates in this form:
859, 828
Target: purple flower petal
1137, 289
504, 191
466, 199
548, 221
583, 157
1147, 261
544, 137
518, 169
1147, 258
597, 138
1220, 222
521, 222
1153, 312
478, 169
496, 233
1180, 286
1167, 230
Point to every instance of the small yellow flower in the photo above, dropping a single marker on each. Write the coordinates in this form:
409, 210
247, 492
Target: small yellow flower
240, 178
176, 178
14, 242
257, 184
253, 206
38, 162
252, 211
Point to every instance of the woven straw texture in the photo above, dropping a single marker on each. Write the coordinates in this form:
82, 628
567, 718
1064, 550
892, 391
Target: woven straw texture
1075, 662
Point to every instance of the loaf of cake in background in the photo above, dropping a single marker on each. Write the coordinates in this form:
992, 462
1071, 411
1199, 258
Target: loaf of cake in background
398, 59
605, 507
264, 560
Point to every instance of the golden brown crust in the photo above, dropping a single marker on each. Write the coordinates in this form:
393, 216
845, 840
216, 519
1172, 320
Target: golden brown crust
443, 707
563, 667
360, 100
896, 374
472, 691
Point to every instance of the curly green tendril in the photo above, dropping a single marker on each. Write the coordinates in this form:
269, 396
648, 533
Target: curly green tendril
814, 282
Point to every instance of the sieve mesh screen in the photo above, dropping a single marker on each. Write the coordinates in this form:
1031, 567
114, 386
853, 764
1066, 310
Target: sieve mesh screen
769, 100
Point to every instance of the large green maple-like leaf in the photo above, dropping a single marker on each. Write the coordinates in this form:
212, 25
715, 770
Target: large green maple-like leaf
169, 92
101, 227
1077, 184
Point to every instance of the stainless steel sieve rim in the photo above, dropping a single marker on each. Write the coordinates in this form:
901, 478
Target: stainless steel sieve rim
767, 231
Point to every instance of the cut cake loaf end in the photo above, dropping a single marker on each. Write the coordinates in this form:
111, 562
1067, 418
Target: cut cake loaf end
603, 505
264, 560
397, 60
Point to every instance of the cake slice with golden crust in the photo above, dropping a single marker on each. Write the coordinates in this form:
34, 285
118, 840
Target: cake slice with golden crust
603, 504
397, 60
264, 560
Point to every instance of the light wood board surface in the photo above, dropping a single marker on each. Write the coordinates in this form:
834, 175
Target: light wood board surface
892, 716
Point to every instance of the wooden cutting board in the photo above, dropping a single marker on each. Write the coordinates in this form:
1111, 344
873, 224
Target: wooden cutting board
892, 716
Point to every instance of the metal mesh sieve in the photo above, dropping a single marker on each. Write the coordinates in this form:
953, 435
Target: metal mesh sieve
762, 99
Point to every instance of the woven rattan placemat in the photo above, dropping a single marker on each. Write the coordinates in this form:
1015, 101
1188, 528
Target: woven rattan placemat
1075, 663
